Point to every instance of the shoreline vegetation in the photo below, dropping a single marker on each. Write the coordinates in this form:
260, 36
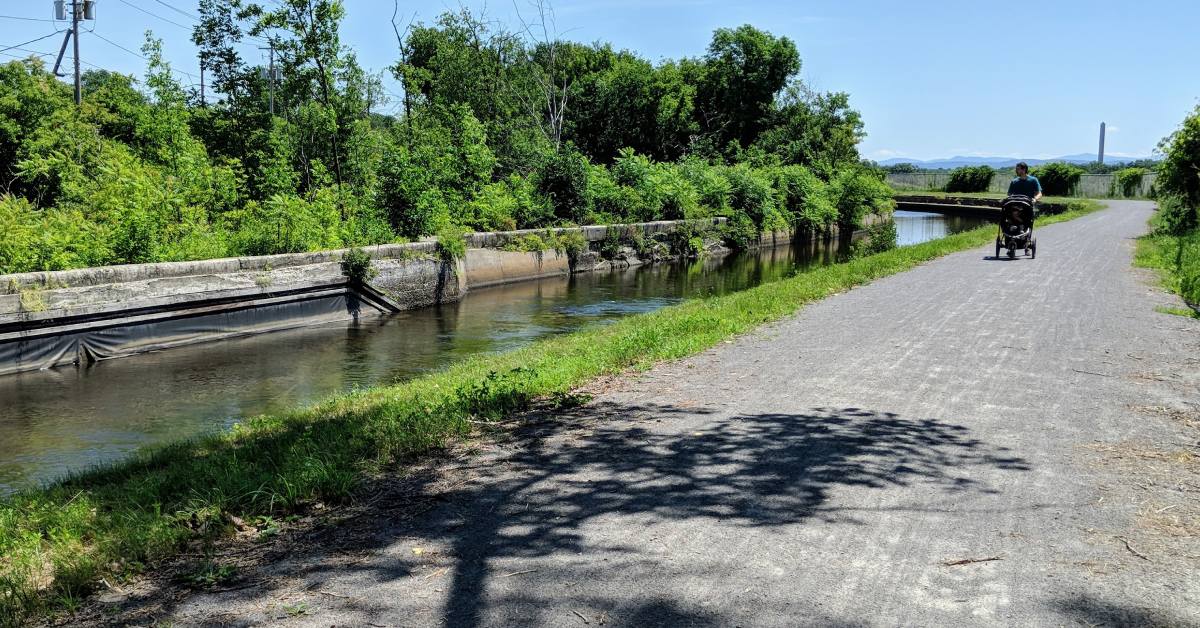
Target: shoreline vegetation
495, 130
58, 542
1173, 246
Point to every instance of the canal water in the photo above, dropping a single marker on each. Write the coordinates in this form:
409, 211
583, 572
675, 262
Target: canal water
61, 420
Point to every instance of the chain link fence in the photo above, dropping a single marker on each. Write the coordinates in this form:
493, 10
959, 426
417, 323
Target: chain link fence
1089, 186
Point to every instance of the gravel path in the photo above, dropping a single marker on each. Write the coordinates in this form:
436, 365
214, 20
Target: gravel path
973, 442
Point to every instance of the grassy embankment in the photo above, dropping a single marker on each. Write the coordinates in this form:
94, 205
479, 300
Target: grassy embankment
1177, 260
58, 542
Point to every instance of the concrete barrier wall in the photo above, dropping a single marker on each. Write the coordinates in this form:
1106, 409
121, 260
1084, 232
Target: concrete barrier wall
52, 318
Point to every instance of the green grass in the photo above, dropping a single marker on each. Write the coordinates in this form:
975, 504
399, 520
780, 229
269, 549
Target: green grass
57, 542
1177, 260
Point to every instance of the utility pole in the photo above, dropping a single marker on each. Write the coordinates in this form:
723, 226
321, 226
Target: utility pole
1101, 155
80, 10
271, 75
203, 103
75, 28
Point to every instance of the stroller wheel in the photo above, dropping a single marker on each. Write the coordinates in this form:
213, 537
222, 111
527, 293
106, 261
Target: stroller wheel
1012, 253
1033, 250
997, 248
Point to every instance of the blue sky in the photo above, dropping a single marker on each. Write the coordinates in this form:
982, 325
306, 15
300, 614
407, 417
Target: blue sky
932, 78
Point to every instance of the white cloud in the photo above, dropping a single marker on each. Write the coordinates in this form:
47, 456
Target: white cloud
1112, 128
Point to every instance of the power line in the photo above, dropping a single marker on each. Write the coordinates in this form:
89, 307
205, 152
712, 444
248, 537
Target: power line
26, 43
155, 15
26, 19
179, 11
115, 44
139, 55
33, 53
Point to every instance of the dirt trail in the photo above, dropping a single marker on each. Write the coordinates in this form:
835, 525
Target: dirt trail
973, 442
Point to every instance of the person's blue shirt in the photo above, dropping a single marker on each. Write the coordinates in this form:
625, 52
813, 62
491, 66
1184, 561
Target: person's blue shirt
1029, 186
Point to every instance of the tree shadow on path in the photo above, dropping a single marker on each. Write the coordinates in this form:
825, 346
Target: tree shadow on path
559, 477
748, 470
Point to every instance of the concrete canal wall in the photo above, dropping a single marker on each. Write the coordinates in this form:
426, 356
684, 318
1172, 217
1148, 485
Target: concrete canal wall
75, 316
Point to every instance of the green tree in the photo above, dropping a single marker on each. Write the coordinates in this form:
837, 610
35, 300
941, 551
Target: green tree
743, 71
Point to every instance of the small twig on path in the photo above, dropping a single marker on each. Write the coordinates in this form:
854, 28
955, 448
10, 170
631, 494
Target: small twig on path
585, 619
517, 573
332, 594
1092, 373
968, 561
1130, 548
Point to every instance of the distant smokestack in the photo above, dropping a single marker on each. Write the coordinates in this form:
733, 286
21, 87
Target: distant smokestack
1101, 159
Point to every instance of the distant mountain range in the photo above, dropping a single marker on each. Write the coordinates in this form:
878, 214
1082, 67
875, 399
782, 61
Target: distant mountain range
1002, 162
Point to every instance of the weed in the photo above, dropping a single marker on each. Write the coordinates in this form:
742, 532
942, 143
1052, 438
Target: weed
209, 574
356, 266
32, 300
452, 243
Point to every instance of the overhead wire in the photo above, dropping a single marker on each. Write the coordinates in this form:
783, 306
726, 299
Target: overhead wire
178, 10
26, 19
139, 55
155, 15
26, 43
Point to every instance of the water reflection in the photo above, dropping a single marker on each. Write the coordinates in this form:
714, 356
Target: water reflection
917, 227
61, 420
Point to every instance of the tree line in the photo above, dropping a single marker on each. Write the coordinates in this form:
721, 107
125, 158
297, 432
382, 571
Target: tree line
496, 128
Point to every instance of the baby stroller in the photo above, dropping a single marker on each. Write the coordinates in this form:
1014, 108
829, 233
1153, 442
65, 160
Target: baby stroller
1016, 227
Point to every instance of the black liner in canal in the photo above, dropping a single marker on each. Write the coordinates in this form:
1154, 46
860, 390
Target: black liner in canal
68, 419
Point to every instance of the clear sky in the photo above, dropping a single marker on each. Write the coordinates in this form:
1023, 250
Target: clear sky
932, 78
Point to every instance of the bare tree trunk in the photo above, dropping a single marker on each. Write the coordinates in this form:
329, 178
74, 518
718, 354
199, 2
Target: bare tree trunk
403, 61
550, 114
314, 47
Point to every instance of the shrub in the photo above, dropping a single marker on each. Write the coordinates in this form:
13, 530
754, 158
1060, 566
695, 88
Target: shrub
1058, 178
451, 242
1179, 174
880, 237
1128, 181
285, 224
356, 266
1189, 268
751, 194
856, 193
1175, 216
712, 187
676, 197
739, 232
610, 201
19, 224
492, 209
970, 179
805, 198
562, 179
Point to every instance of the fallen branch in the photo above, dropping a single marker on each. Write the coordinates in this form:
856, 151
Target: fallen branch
517, 573
968, 561
1130, 548
585, 619
1092, 373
